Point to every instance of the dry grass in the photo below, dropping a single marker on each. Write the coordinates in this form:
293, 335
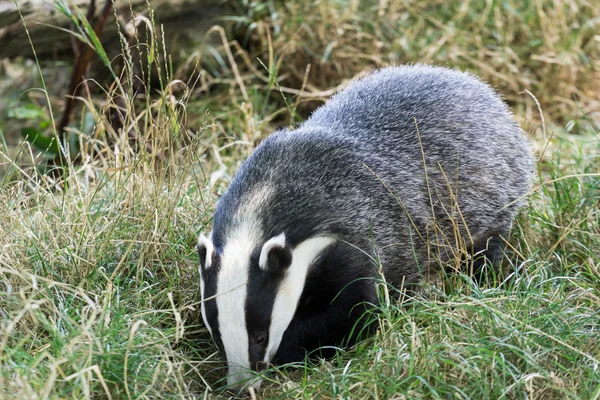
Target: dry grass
98, 287
549, 48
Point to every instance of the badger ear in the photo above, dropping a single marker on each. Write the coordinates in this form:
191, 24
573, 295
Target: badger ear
205, 251
275, 254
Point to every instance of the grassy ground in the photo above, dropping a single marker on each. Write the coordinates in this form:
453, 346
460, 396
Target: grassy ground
98, 280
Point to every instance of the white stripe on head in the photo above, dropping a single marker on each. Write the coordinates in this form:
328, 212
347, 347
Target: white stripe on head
291, 289
207, 243
240, 378
255, 200
274, 241
231, 298
202, 307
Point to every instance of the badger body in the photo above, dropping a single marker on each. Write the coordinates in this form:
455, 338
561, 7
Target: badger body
392, 174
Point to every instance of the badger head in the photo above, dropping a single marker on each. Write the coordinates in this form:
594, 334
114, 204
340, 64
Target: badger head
250, 291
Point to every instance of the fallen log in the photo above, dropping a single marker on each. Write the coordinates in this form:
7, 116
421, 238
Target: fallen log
47, 25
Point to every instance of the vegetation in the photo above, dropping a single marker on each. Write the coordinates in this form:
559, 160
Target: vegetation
98, 271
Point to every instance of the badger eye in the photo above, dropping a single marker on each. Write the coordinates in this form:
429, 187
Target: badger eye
261, 340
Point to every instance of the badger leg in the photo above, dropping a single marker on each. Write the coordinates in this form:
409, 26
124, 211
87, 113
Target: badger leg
320, 336
486, 257
329, 316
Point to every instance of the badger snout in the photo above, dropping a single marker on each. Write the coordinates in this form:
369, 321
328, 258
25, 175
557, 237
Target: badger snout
240, 380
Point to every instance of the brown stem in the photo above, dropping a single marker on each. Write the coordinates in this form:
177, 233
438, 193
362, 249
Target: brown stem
81, 63
117, 115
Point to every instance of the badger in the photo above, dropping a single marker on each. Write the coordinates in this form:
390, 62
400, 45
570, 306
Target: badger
385, 180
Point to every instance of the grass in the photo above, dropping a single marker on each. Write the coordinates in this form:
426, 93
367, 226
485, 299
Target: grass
98, 279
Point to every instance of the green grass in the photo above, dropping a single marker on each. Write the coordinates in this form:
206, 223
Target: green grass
98, 277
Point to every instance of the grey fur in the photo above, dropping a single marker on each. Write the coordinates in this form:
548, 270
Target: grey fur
355, 169
404, 165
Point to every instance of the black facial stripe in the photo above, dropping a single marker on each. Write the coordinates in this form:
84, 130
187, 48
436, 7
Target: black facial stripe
210, 278
261, 294
330, 305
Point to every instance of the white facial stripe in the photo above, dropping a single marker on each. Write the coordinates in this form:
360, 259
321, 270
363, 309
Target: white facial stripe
239, 378
231, 298
204, 241
274, 241
291, 288
202, 307
207, 243
255, 200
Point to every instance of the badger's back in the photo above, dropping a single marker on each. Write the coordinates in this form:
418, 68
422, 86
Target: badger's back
400, 161
407, 166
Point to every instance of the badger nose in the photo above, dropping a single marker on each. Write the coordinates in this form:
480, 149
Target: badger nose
241, 382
